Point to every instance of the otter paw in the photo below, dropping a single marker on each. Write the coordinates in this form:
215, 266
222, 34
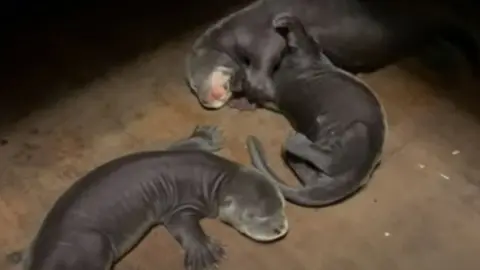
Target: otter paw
211, 135
282, 20
204, 256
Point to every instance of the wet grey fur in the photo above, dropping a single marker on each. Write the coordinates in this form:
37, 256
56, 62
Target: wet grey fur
106, 213
340, 123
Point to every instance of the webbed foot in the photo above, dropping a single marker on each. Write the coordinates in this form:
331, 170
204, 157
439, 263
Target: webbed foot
204, 256
212, 137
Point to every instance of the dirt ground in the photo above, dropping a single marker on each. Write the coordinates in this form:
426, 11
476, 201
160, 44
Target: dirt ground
421, 210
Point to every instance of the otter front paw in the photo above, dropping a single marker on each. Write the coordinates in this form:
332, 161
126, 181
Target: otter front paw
212, 137
204, 256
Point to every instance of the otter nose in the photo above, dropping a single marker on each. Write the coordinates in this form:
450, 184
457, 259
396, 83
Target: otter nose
218, 92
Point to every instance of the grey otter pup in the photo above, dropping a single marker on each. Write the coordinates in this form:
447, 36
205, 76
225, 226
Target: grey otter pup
105, 214
356, 35
340, 123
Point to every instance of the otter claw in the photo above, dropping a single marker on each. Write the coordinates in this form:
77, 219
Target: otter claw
211, 135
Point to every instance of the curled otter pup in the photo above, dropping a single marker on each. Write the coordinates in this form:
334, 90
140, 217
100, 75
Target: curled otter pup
103, 215
340, 124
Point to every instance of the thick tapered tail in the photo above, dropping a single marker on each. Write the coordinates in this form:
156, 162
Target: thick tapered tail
311, 196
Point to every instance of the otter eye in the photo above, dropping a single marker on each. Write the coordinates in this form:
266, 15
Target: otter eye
226, 86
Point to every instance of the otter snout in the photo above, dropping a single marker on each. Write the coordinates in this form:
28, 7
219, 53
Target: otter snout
274, 228
215, 91
214, 97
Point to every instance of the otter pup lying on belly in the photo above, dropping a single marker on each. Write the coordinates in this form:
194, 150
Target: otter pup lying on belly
340, 123
107, 212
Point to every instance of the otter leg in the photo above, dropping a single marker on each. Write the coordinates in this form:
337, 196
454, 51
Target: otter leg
205, 138
306, 173
95, 251
300, 146
201, 252
336, 153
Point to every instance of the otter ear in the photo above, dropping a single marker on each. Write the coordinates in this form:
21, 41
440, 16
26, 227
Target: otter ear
283, 20
283, 24
295, 34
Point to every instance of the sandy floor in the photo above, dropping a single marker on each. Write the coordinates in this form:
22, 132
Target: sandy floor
421, 210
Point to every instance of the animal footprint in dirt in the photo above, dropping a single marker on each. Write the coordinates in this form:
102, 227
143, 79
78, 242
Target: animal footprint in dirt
211, 135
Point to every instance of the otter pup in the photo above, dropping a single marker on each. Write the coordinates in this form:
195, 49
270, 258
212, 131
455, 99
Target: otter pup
356, 35
103, 215
340, 124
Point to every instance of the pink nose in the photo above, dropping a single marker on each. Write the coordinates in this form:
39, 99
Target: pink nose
217, 92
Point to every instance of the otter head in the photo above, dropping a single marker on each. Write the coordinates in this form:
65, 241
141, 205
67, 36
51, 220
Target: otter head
254, 206
210, 75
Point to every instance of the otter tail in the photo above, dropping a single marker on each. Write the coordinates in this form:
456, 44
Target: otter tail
310, 196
